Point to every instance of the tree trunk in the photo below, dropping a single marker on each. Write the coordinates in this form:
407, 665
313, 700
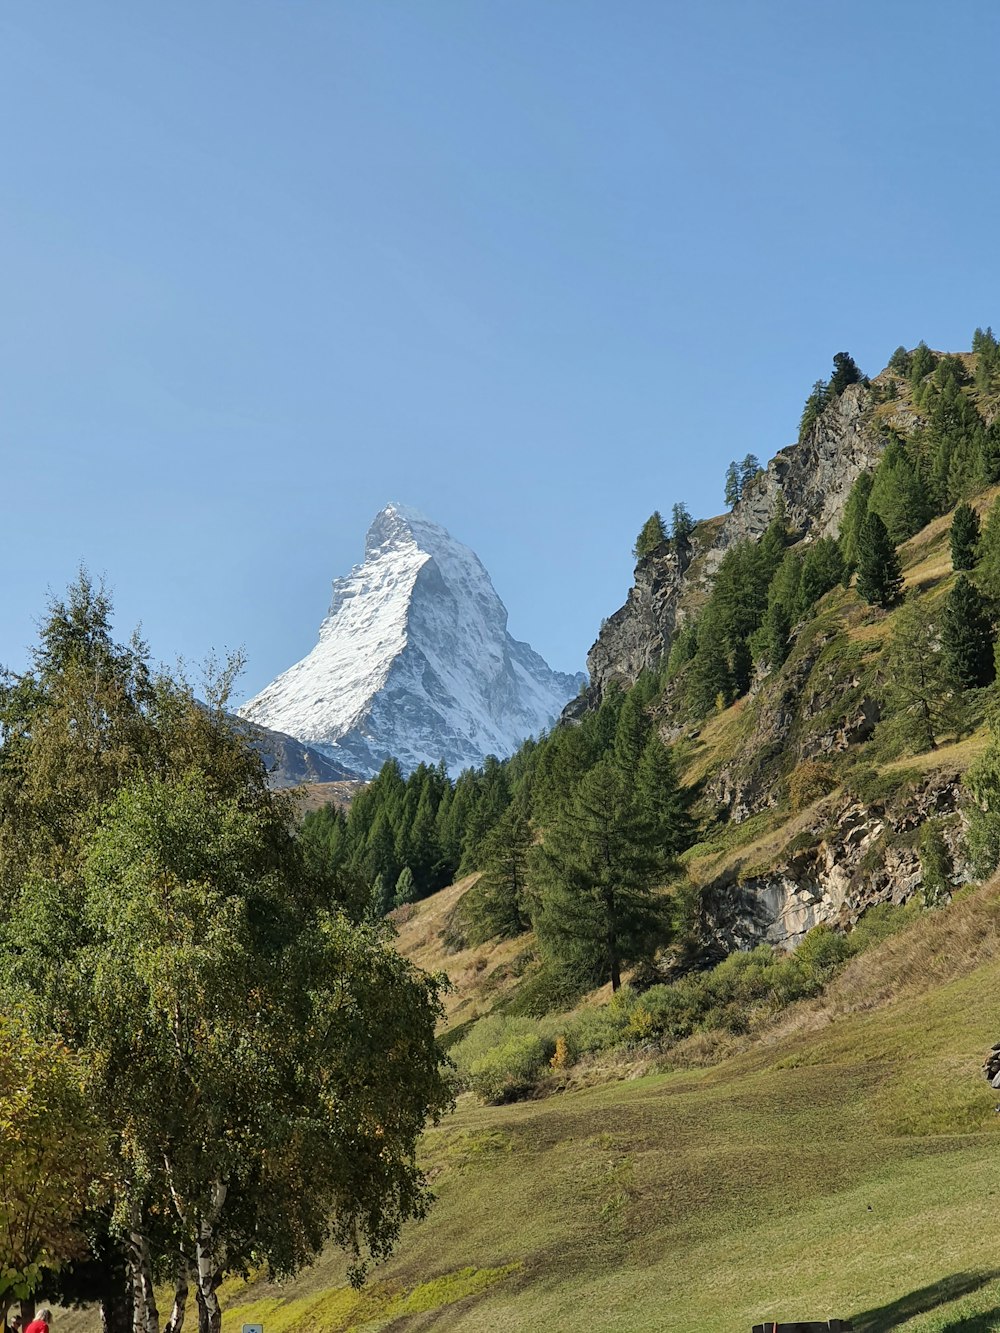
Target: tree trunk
117, 1304
616, 974
208, 1265
146, 1317
176, 1321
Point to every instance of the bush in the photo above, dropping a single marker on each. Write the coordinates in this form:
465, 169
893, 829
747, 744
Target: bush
809, 781
501, 1057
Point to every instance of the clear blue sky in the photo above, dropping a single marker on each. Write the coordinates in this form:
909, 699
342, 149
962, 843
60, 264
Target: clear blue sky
535, 267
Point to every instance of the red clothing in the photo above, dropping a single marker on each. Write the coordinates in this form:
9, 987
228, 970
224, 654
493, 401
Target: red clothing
37, 1326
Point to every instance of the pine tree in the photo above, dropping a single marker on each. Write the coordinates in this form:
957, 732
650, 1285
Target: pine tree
774, 634
681, 523
596, 872
631, 735
664, 803
964, 537
406, 890
818, 398
709, 683
652, 535
732, 484
879, 576
967, 635
845, 372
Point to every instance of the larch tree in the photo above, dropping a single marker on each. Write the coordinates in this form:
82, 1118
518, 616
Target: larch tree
880, 578
652, 535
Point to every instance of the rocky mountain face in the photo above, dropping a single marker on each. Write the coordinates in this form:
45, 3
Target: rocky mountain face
414, 661
848, 856
289, 763
813, 478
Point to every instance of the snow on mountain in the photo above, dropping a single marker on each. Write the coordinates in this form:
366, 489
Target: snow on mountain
414, 661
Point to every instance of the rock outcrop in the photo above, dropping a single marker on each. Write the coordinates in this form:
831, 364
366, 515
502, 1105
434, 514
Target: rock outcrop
853, 856
813, 479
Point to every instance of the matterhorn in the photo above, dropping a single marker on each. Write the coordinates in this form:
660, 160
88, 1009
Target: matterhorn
414, 661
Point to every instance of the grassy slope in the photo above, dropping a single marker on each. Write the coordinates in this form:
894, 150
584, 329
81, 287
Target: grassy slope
850, 1166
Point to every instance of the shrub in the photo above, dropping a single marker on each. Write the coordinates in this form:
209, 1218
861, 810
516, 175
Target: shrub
809, 781
501, 1057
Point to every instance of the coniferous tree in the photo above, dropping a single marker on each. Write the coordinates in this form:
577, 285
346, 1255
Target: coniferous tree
405, 888
749, 468
664, 803
681, 523
988, 572
898, 495
919, 685
773, 640
501, 895
652, 534
964, 537
818, 398
732, 484
822, 569
596, 872
922, 362
709, 682
845, 372
855, 513
967, 635
879, 576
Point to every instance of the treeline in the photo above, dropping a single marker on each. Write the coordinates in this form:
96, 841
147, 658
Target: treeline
605, 797
404, 838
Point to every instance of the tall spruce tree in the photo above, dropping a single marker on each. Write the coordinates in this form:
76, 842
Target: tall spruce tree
501, 895
967, 635
879, 576
964, 537
855, 513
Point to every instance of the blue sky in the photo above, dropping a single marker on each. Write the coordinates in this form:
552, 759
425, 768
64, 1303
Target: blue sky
535, 267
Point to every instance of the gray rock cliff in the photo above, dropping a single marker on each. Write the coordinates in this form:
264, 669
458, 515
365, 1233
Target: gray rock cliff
814, 479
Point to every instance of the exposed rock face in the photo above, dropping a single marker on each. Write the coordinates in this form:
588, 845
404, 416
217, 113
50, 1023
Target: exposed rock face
862, 855
814, 478
290, 763
637, 637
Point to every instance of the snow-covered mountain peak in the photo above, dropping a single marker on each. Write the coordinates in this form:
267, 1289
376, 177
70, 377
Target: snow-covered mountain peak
414, 660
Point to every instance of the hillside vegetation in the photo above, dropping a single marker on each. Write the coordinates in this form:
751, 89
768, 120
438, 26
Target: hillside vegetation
846, 1164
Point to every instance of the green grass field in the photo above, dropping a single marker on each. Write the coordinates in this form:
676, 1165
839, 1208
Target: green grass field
848, 1166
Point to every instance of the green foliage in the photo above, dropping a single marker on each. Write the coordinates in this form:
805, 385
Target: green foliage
595, 873
880, 578
845, 372
501, 898
935, 864
732, 486
922, 363
988, 573
822, 569
987, 353
651, 536
681, 523
898, 495
900, 361
967, 635
818, 398
53, 1158
855, 513
964, 537
501, 1057
982, 782
920, 687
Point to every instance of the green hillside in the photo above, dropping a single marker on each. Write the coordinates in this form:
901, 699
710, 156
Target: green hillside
848, 1165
